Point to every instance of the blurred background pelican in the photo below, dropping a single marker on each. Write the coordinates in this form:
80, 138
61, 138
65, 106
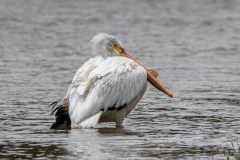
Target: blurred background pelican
105, 88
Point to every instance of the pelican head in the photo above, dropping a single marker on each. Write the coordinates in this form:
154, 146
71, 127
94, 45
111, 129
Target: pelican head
108, 45
104, 44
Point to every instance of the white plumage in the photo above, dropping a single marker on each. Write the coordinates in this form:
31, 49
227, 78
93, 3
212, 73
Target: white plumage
105, 88
103, 83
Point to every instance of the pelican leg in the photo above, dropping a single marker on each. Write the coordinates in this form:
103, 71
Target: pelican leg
126, 110
120, 117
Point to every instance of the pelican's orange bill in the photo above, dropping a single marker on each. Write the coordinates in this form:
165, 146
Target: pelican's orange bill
154, 81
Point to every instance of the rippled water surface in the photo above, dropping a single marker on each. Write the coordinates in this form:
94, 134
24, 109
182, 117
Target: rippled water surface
194, 45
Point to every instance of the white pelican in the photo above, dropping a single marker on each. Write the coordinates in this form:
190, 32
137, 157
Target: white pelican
106, 88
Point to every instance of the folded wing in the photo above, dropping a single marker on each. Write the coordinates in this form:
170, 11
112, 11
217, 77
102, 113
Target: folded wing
102, 84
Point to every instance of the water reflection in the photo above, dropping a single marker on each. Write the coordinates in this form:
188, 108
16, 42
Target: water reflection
11, 150
118, 132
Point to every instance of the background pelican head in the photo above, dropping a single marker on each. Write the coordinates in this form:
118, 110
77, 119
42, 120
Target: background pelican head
108, 45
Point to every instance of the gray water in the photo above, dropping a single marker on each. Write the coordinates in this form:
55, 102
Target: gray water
193, 44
